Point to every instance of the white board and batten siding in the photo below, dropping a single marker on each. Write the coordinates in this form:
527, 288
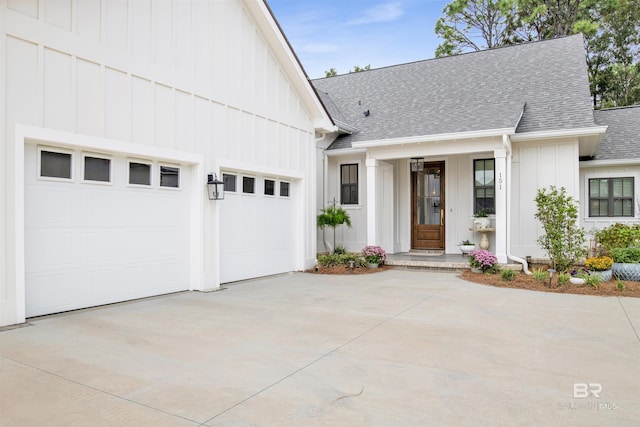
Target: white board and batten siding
185, 83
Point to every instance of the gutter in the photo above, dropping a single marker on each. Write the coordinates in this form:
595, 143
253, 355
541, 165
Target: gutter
525, 266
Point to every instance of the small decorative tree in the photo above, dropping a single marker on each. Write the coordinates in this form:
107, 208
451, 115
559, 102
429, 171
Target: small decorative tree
333, 216
562, 239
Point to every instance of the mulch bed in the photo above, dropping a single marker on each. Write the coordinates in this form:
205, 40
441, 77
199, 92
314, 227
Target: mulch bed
521, 281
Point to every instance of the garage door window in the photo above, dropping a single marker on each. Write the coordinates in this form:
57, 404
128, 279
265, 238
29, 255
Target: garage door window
55, 165
284, 189
229, 182
139, 173
169, 177
248, 185
97, 169
269, 187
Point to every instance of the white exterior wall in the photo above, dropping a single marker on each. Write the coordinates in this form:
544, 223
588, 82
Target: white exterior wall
192, 80
539, 164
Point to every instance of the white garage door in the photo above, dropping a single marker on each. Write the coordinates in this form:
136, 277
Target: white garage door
257, 227
101, 229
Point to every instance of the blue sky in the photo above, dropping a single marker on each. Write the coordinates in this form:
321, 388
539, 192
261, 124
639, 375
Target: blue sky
345, 33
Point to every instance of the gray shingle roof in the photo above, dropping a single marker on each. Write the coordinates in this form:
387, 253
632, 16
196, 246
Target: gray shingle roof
469, 92
622, 139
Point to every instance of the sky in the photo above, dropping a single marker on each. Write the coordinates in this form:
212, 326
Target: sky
341, 34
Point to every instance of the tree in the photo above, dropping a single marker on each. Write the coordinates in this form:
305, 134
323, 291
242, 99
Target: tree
475, 25
331, 73
333, 216
357, 68
562, 239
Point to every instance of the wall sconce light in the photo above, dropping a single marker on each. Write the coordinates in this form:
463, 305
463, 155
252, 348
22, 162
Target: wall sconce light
417, 164
215, 187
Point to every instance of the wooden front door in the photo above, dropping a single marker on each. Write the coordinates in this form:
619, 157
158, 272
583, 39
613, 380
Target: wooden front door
427, 207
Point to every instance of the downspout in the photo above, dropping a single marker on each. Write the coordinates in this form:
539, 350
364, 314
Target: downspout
325, 185
506, 142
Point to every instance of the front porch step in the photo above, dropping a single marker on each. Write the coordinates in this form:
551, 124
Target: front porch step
426, 252
444, 262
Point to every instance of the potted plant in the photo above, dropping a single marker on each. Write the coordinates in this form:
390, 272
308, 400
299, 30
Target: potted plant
482, 219
626, 263
579, 277
374, 255
483, 261
600, 266
467, 246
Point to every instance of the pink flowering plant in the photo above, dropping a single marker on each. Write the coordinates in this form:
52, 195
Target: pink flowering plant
374, 254
483, 260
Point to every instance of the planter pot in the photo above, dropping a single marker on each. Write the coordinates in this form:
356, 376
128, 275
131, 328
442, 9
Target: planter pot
605, 276
626, 271
576, 281
475, 270
465, 249
371, 265
482, 222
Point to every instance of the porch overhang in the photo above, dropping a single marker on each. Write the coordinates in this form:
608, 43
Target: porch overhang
488, 133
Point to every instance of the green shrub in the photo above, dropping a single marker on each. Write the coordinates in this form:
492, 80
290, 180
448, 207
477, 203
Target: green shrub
619, 236
335, 260
540, 275
562, 239
340, 250
592, 280
508, 274
620, 285
563, 278
626, 255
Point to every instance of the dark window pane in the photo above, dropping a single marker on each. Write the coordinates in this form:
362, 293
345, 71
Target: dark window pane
610, 197
97, 169
229, 182
248, 184
484, 185
349, 184
284, 189
55, 165
169, 177
269, 187
139, 173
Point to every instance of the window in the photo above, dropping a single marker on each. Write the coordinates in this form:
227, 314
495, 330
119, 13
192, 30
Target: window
349, 184
97, 169
269, 187
248, 184
169, 177
229, 182
284, 189
610, 197
55, 165
139, 173
484, 185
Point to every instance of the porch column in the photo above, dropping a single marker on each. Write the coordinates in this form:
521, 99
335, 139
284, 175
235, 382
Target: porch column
372, 168
500, 156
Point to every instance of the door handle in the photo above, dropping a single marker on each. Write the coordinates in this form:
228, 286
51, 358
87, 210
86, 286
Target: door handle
441, 216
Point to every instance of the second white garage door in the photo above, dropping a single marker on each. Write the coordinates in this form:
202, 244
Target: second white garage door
257, 227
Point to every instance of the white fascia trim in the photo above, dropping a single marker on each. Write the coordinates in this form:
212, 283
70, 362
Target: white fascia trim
251, 168
431, 138
601, 163
343, 151
93, 143
561, 133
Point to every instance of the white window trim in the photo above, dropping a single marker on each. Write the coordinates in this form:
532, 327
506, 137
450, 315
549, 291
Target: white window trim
605, 175
278, 183
96, 156
339, 181
42, 148
152, 178
472, 200
169, 165
230, 192
255, 185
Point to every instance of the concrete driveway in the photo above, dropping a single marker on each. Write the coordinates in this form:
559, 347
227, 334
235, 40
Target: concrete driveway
398, 348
